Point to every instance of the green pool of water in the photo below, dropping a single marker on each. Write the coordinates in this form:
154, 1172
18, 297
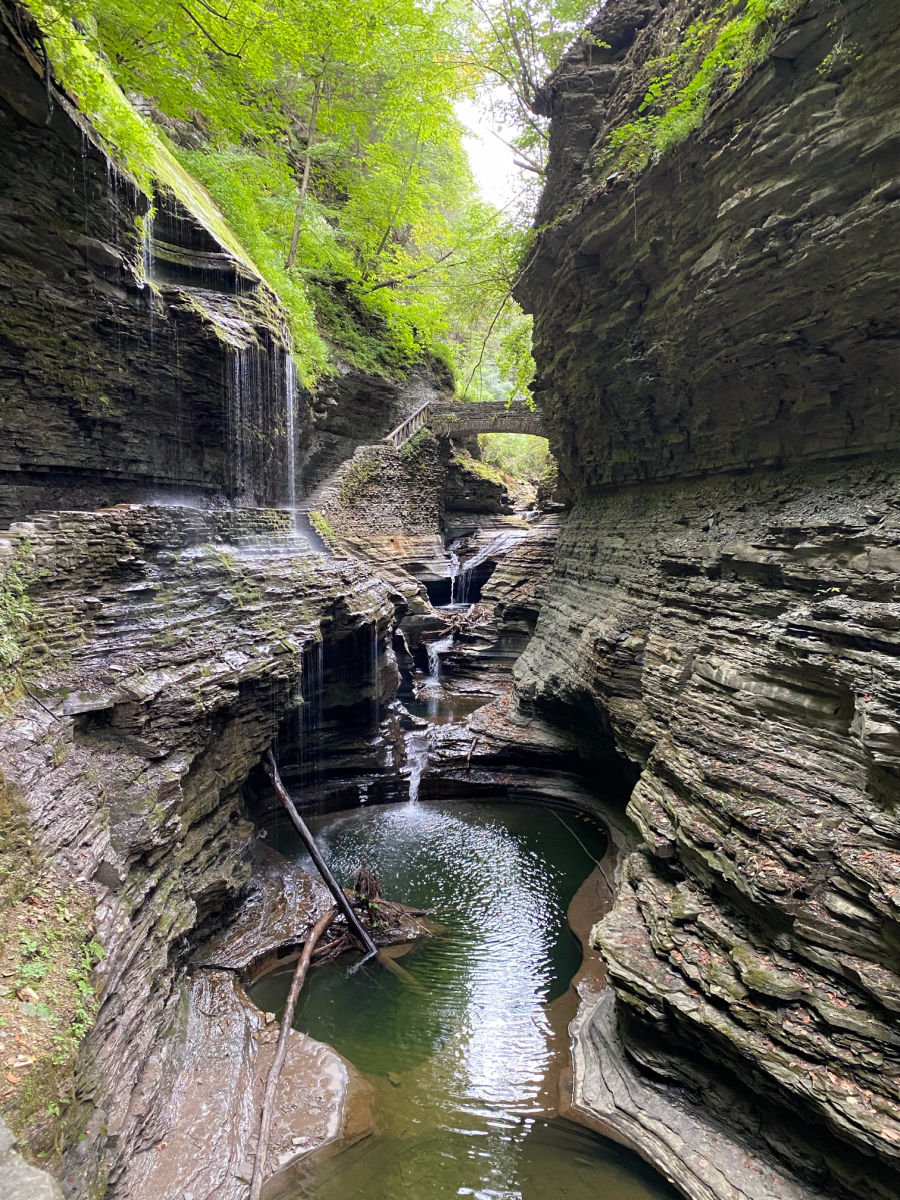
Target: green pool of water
458, 1065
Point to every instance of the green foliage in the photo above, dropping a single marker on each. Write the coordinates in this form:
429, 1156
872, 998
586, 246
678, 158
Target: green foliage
548, 482
481, 468
842, 56
720, 49
515, 45
322, 526
417, 443
358, 335
490, 343
329, 119
15, 610
517, 454
243, 184
358, 474
325, 132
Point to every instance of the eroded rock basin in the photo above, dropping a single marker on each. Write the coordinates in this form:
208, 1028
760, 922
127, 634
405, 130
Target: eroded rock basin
462, 1063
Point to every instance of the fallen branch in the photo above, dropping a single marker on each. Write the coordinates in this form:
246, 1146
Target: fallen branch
268, 1106
340, 897
412, 274
596, 861
209, 37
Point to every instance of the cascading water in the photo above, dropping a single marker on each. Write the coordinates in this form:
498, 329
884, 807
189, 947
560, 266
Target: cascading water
290, 392
434, 650
497, 548
418, 741
146, 248
418, 751
309, 718
454, 570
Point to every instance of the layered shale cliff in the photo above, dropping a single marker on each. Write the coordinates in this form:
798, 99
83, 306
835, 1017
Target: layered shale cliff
159, 630
717, 371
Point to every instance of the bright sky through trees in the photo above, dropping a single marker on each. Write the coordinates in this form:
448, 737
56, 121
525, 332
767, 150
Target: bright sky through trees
493, 163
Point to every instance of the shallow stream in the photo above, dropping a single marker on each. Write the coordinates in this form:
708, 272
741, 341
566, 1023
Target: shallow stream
459, 1066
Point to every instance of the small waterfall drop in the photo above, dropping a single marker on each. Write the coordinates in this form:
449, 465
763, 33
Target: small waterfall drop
146, 269
497, 548
434, 650
454, 570
418, 741
310, 718
418, 752
290, 395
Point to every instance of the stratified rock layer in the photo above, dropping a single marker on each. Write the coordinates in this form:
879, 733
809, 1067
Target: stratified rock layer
114, 386
168, 646
714, 344
732, 305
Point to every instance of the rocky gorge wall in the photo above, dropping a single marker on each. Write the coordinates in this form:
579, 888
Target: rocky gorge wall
167, 646
149, 654
737, 291
113, 387
716, 376
141, 355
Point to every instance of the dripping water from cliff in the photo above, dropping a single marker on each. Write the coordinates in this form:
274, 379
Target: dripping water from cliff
261, 397
147, 250
309, 720
290, 400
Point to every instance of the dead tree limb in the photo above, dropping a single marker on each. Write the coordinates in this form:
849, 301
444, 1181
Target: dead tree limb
209, 37
268, 1106
340, 897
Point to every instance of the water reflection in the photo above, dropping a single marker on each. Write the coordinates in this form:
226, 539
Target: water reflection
458, 1067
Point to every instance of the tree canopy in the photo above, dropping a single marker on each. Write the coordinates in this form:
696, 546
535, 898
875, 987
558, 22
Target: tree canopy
325, 131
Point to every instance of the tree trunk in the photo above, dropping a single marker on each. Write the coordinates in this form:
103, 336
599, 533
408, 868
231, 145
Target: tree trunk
262, 1145
304, 183
332, 884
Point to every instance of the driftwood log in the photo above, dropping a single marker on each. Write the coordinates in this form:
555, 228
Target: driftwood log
340, 897
268, 1106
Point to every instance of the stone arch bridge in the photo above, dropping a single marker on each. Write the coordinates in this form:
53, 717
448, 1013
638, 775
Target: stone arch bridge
453, 418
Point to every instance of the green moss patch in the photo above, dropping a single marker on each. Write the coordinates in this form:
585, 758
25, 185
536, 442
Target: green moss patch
47, 997
714, 52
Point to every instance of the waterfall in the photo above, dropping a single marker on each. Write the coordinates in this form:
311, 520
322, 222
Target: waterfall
290, 380
418, 741
434, 650
146, 248
498, 547
454, 570
430, 687
418, 752
309, 718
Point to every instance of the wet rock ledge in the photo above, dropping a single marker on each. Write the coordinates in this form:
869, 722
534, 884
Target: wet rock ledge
718, 378
164, 649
